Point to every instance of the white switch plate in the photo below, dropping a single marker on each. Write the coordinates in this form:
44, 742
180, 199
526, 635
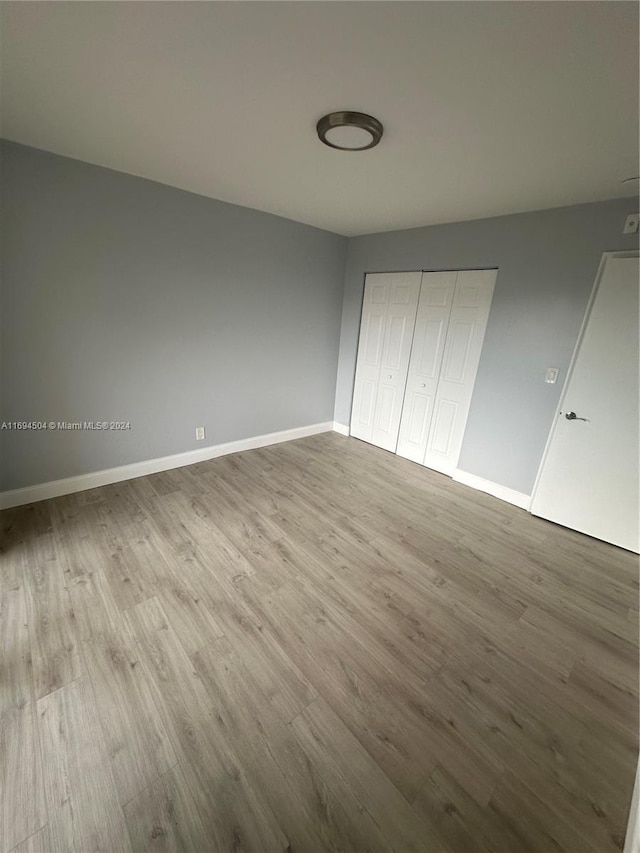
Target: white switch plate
631, 223
199, 433
551, 375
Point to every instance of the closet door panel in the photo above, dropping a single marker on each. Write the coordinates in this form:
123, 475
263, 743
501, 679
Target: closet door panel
463, 345
434, 308
401, 316
386, 330
442, 427
374, 314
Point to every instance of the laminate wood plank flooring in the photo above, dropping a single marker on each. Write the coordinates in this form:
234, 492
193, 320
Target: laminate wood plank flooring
310, 648
82, 799
163, 816
36, 843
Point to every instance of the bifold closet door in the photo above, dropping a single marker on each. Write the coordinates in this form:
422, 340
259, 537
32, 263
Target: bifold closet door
450, 329
386, 331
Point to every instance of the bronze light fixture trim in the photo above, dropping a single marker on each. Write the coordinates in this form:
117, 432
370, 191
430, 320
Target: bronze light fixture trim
360, 121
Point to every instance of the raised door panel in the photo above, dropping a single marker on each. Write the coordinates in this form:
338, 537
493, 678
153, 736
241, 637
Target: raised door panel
463, 345
442, 429
434, 307
396, 343
386, 406
362, 422
372, 334
460, 341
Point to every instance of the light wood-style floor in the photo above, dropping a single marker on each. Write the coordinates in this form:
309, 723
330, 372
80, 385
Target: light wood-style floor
317, 646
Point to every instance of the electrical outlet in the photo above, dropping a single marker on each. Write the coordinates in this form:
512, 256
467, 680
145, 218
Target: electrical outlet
631, 223
199, 433
551, 376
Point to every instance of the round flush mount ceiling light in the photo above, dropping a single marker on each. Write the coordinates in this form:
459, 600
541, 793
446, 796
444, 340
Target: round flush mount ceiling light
349, 131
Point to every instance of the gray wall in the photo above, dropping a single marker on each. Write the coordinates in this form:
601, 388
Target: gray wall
547, 265
124, 299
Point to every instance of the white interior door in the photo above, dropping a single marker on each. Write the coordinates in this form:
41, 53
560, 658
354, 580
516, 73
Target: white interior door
463, 345
589, 476
386, 331
432, 320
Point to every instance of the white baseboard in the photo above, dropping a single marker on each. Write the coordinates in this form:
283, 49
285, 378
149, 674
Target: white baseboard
491, 488
341, 428
55, 488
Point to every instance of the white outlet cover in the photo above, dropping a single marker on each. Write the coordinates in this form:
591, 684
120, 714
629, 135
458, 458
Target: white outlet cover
199, 433
551, 376
631, 223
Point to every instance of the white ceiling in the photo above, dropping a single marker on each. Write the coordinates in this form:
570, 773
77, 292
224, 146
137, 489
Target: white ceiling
489, 108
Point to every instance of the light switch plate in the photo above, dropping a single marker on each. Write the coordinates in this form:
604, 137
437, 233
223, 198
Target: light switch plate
551, 376
631, 223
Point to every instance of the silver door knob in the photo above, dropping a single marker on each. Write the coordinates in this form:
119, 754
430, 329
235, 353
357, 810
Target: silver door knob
423, 385
390, 376
571, 416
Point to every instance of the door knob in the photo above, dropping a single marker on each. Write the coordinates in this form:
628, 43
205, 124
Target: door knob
390, 376
423, 385
571, 416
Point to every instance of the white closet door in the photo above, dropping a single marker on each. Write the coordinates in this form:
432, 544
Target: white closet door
467, 326
386, 331
434, 308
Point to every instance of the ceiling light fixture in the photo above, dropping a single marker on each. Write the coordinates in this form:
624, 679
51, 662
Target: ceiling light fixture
349, 131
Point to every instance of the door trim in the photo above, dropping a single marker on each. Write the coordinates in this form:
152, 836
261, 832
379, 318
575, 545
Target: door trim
606, 256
